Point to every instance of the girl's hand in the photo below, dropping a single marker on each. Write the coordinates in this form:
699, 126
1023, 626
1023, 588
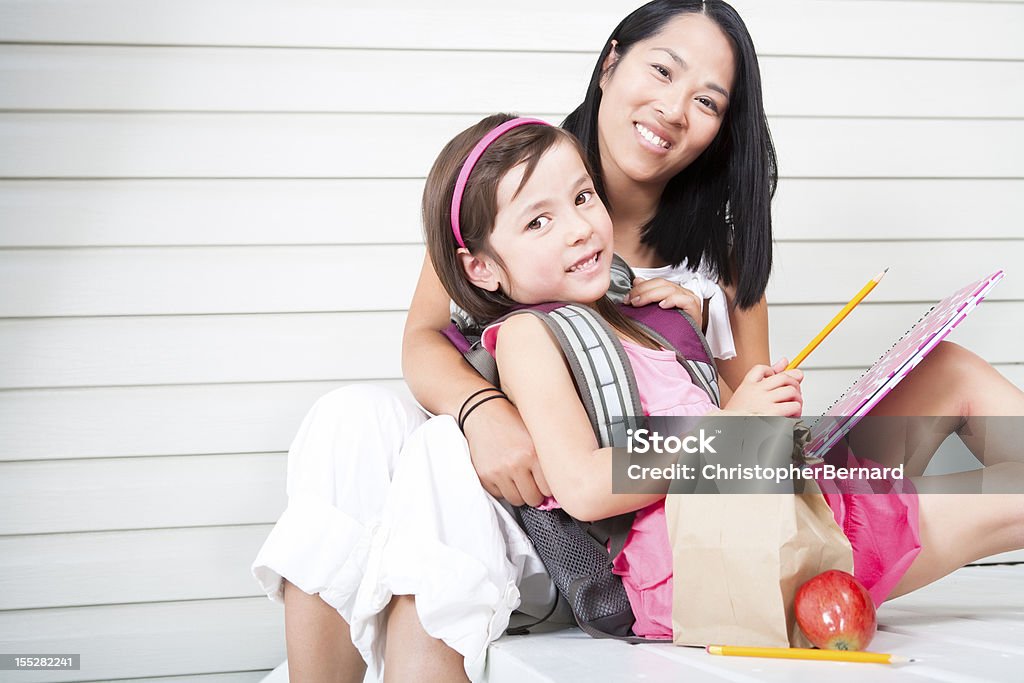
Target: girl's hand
503, 456
769, 390
667, 294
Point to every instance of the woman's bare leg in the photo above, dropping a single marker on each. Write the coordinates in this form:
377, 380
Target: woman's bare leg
952, 390
412, 654
317, 639
957, 529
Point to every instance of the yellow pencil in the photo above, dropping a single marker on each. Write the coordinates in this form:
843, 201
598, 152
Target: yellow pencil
836, 320
804, 653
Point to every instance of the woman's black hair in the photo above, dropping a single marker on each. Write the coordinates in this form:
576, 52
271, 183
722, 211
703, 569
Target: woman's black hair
717, 210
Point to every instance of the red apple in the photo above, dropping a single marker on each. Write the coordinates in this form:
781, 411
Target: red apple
836, 612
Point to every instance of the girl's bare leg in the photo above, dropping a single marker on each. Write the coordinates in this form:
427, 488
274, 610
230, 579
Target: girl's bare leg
318, 642
960, 389
412, 654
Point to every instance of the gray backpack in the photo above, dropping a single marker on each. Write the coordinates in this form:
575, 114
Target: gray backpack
578, 555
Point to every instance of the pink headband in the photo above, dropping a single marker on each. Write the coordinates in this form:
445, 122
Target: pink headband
474, 156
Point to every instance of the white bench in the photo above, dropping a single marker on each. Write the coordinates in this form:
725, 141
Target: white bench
966, 628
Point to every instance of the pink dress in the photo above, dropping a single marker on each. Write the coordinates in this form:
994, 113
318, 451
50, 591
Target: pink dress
883, 529
645, 563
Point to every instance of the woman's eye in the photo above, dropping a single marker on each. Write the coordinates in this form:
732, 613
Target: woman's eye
660, 69
709, 103
538, 223
584, 197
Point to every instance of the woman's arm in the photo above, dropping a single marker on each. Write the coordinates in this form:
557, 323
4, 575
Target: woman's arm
441, 380
535, 377
435, 371
750, 334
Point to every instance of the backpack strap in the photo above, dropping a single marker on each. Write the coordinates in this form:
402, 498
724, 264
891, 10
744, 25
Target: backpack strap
599, 367
672, 328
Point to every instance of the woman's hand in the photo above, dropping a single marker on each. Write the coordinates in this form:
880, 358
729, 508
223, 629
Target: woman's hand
666, 294
503, 455
769, 390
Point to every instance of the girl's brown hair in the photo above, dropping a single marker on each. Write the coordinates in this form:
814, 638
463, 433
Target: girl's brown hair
523, 145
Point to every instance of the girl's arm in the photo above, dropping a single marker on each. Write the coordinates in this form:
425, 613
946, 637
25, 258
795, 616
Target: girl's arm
440, 379
750, 334
534, 375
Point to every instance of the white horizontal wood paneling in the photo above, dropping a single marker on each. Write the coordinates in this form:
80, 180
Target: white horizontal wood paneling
252, 80
127, 351
880, 210
55, 496
164, 281
85, 352
59, 77
811, 273
797, 27
172, 420
193, 212
402, 145
57, 424
357, 211
158, 639
65, 570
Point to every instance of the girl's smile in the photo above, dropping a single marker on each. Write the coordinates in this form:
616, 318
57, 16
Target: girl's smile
585, 265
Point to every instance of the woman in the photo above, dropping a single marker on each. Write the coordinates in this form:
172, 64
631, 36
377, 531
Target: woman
705, 199
674, 125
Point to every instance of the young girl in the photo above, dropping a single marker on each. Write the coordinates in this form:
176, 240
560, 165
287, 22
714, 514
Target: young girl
512, 217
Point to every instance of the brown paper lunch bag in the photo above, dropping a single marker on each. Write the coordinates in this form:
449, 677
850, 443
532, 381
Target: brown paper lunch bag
739, 558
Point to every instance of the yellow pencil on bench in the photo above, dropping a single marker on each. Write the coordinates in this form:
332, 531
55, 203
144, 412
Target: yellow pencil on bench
865, 290
805, 653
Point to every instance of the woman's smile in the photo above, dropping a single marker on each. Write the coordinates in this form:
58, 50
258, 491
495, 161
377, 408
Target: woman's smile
656, 141
672, 90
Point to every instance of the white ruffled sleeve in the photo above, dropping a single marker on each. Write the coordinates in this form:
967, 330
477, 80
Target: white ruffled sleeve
719, 333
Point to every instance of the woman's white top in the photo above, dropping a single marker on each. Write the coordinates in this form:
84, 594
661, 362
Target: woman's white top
719, 332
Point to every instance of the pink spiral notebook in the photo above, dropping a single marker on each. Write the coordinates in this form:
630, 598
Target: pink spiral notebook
895, 364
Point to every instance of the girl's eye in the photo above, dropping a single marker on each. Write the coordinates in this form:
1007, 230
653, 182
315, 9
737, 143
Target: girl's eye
661, 70
709, 103
538, 223
584, 197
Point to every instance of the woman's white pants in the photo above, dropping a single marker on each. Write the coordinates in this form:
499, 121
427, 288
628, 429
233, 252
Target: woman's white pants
383, 501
